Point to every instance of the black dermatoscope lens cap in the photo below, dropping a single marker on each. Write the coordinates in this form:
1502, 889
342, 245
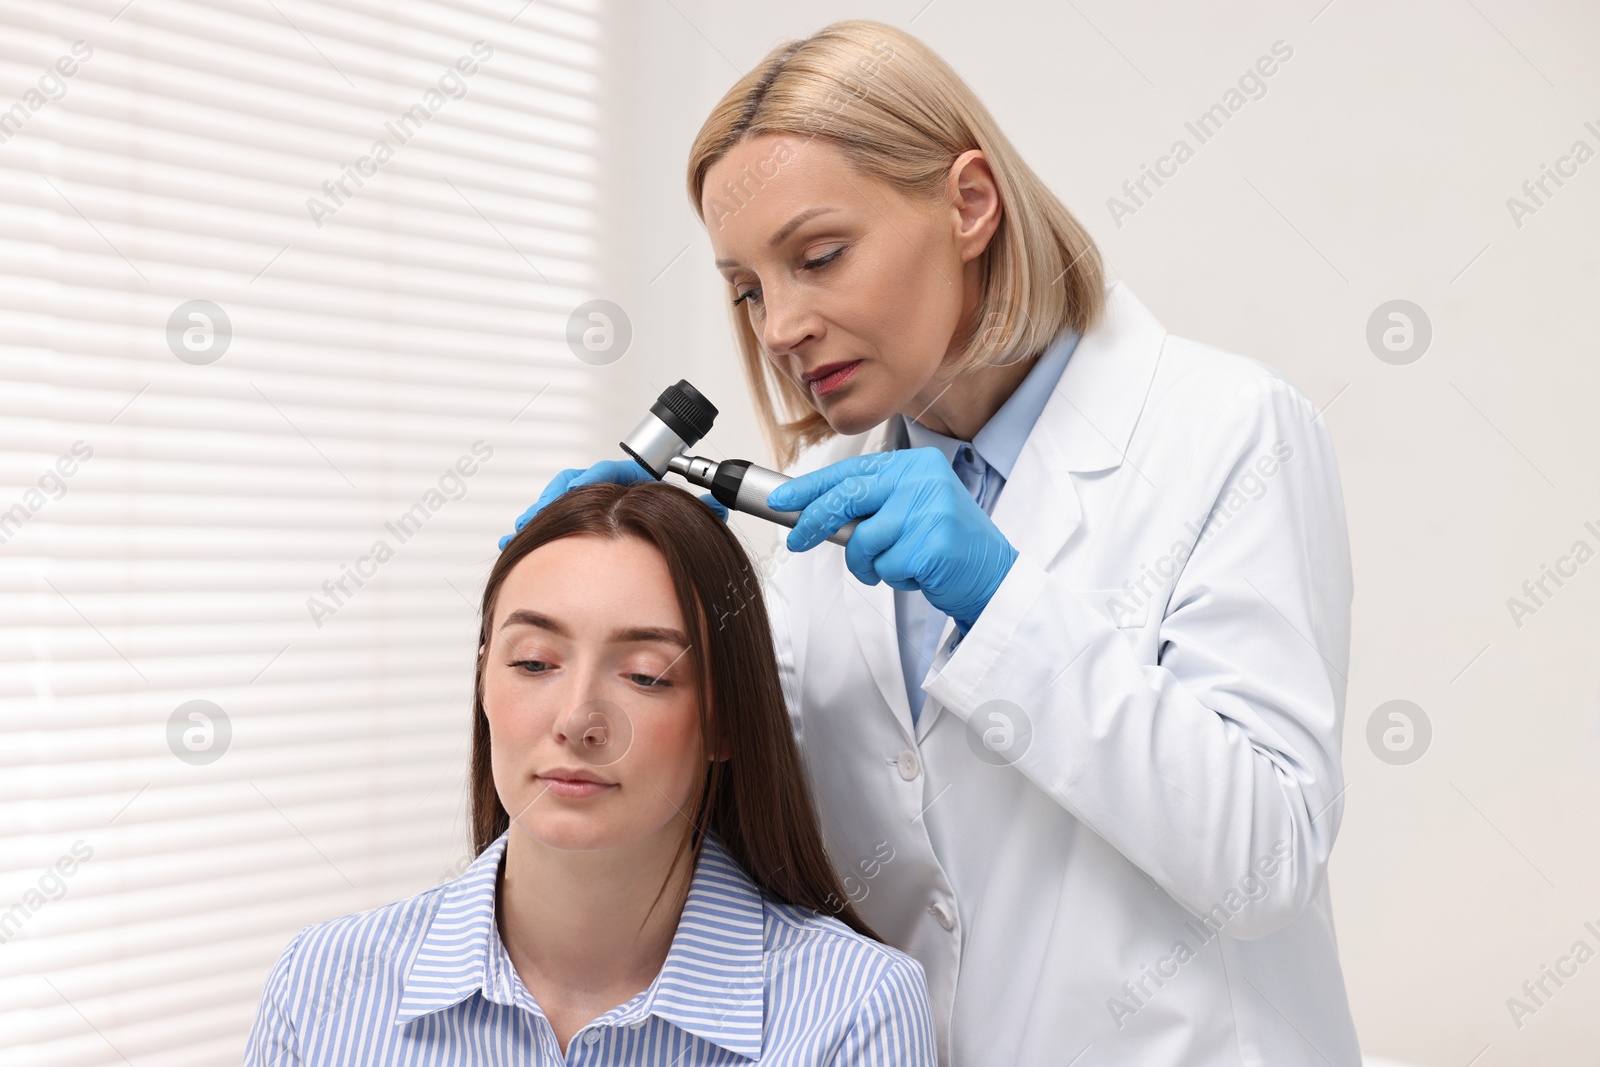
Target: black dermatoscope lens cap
685, 411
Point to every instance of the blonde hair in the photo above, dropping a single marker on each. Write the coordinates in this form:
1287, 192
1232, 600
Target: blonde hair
900, 114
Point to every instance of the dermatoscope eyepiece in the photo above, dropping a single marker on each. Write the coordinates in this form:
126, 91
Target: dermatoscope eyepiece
677, 421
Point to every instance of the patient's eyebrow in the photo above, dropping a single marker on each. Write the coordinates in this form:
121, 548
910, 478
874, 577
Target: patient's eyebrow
625, 635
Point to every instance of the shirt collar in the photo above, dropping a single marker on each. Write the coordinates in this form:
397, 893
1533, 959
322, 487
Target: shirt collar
1000, 441
712, 984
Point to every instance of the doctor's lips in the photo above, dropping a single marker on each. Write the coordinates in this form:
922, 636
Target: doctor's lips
828, 377
573, 782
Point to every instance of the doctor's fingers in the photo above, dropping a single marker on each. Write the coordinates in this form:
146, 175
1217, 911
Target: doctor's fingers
554, 488
619, 471
715, 505
800, 492
874, 541
852, 498
898, 565
622, 472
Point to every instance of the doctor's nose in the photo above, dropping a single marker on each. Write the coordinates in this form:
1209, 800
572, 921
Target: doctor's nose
787, 326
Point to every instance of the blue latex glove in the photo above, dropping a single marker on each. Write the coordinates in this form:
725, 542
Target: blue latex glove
620, 471
923, 530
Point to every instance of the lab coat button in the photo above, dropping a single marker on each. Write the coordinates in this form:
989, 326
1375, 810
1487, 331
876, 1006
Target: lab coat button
909, 765
939, 912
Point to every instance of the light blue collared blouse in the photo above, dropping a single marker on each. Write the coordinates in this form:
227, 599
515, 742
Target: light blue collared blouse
427, 981
983, 467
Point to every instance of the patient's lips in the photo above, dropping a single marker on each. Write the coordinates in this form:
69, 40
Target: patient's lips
574, 782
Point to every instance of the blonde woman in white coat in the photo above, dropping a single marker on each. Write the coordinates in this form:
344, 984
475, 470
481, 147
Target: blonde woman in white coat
1070, 700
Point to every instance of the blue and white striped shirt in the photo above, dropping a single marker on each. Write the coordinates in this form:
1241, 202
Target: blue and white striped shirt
427, 981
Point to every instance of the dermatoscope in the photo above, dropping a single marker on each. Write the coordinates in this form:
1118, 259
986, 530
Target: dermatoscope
677, 421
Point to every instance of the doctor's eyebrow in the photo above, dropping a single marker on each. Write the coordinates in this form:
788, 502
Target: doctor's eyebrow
623, 636
787, 228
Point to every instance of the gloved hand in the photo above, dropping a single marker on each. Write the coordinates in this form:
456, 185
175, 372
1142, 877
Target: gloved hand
922, 528
619, 471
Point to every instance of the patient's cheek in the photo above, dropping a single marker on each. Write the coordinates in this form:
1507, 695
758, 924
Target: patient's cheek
668, 740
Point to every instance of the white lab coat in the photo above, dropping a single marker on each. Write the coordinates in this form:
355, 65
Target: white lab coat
1184, 728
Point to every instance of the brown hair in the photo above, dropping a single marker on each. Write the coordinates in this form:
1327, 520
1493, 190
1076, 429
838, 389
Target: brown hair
901, 115
756, 801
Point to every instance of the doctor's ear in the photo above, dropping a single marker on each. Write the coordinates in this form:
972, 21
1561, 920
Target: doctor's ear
974, 199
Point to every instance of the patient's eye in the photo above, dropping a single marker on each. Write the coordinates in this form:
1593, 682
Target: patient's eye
643, 679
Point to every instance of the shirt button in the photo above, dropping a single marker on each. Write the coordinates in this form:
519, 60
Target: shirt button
939, 912
591, 1037
909, 765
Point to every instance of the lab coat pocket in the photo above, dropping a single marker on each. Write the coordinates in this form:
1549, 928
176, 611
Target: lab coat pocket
1120, 609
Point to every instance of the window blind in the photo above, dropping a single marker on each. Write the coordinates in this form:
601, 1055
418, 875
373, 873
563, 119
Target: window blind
284, 300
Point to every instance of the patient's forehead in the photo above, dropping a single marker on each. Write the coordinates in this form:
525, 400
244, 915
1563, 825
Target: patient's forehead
593, 582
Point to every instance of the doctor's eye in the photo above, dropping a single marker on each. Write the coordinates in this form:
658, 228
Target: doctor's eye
823, 261
753, 294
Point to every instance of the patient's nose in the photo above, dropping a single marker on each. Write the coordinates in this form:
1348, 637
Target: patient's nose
596, 730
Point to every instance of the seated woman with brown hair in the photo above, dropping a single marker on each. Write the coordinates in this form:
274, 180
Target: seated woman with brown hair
651, 886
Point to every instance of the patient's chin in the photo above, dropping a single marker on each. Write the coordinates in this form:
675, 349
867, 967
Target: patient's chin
572, 824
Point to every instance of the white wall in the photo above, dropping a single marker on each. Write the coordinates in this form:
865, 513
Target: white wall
1377, 166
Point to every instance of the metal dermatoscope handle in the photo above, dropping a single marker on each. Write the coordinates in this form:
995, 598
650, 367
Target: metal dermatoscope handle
677, 421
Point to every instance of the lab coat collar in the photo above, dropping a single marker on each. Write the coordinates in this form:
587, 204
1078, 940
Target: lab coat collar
1085, 427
